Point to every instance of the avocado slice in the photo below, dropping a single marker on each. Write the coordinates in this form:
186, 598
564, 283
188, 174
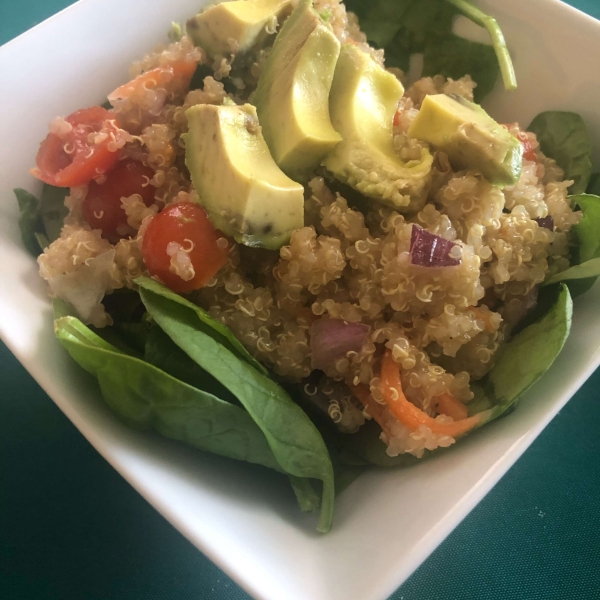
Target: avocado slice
292, 97
363, 100
242, 23
470, 138
244, 192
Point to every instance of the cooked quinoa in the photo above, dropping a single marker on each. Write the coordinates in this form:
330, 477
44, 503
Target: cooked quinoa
442, 325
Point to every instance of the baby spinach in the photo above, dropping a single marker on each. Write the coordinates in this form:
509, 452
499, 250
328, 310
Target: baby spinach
452, 56
586, 241
408, 27
564, 137
41, 220
519, 364
30, 222
149, 398
53, 210
294, 440
221, 334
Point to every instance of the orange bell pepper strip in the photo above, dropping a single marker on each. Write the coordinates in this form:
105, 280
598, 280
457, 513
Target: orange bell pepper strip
410, 415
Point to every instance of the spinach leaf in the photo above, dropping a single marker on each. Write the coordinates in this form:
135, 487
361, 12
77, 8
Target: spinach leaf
221, 334
164, 354
594, 185
564, 137
30, 221
53, 210
586, 270
519, 364
149, 398
586, 238
452, 56
411, 27
41, 220
587, 231
307, 497
294, 440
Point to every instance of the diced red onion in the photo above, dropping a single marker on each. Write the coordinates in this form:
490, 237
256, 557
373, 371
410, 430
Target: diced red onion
546, 222
331, 339
430, 250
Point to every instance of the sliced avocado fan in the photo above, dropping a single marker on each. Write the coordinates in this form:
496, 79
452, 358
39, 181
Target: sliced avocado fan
363, 101
292, 97
244, 192
470, 138
232, 27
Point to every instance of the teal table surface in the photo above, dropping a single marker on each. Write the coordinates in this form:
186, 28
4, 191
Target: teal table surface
72, 529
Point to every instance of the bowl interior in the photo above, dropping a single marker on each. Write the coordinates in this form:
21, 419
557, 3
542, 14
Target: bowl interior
244, 518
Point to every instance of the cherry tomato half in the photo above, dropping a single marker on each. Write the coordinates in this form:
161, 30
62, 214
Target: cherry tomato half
76, 158
180, 237
102, 207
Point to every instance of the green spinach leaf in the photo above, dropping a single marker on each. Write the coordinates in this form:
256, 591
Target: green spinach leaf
53, 210
586, 270
522, 361
408, 27
216, 330
30, 221
594, 185
452, 56
586, 240
164, 354
149, 398
294, 440
564, 137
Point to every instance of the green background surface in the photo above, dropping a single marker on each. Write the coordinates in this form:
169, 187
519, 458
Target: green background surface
72, 529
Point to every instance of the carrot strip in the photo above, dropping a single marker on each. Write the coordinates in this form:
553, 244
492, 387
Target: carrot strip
446, 404
484, 316
182, 70
376, 410
410, 415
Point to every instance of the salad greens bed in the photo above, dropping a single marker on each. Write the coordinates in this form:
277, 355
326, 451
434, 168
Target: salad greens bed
166, 365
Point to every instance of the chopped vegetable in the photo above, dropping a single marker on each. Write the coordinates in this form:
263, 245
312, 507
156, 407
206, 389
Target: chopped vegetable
179, 72
331, 339
89, 147
545, 222
182, 249
430, 250
448, 405
410, 415
102, 207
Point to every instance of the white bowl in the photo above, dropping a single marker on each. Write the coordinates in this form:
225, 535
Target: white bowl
242, 517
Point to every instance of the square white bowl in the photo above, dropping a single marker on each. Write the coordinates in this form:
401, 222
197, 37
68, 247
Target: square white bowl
242, 517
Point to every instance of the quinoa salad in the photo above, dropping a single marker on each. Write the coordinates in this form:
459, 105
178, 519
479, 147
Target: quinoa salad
275, 243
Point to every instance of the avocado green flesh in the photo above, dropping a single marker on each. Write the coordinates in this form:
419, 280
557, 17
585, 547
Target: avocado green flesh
363, 101
242, 22
470, 138
244, 192
292, 97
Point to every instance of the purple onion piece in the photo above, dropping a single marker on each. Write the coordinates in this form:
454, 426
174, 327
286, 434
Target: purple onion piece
331, 339
546, 222
430, 250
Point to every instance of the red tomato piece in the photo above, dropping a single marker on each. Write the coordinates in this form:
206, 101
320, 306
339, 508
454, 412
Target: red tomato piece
528, 149
182, 249
102, 207
82, 154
